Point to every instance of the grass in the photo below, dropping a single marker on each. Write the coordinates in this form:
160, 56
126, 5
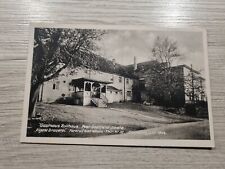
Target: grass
153, 111
119, 119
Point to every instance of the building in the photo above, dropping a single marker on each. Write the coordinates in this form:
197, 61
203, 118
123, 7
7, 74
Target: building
188, 84
84, 84
118, 83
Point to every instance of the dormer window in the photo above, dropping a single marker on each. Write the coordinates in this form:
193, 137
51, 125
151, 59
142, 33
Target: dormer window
120, 79
127, 81
55, 86
112, 79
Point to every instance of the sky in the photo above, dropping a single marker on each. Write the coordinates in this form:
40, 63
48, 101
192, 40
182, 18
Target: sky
123, 45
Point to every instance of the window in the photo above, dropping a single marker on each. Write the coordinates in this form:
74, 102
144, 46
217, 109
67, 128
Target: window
53, 87
103, 90
112, 79
129, 93
88, 87
120, 79
127, 81
64, 81
56, 86
116, 92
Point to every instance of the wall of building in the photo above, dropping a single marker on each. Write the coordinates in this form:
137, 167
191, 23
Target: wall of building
55, 88
114, 96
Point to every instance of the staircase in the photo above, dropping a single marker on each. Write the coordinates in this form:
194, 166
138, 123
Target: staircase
104, 98
100, 102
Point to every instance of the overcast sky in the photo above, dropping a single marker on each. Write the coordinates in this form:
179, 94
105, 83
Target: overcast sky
124, 45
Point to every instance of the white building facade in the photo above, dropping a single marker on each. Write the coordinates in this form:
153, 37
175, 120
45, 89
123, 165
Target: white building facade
116, 88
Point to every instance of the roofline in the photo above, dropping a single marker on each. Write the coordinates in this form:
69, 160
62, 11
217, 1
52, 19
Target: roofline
188, 67
108, 73
92, 80
113, 88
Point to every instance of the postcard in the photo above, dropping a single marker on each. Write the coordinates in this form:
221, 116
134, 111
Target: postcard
117, 85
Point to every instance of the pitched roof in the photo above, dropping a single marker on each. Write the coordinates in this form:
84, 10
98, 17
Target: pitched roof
189, 68
82, 80
109, 66
113, 88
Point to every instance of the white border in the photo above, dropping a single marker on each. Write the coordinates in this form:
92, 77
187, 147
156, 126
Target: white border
106, 141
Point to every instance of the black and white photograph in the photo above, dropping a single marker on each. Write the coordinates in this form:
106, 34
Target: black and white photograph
118, 85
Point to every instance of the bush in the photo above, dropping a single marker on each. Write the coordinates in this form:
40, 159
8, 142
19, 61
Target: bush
65, 100
190, 109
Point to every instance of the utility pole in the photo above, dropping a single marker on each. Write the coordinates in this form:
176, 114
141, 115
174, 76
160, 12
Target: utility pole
42, 87
192, 85
124, 85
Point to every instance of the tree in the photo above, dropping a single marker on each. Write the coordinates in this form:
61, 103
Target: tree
57, 49
162, 79
194, 88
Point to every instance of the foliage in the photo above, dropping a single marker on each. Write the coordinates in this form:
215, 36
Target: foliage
166, 84
57, 49
163, 80
194, 87
165, 51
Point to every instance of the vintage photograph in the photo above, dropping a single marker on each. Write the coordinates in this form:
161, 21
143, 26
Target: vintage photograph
117, 85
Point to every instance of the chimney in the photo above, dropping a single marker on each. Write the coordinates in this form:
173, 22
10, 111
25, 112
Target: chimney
135, 63
114, 64
114, 61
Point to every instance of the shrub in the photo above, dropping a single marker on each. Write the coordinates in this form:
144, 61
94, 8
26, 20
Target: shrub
190, 109
65, 100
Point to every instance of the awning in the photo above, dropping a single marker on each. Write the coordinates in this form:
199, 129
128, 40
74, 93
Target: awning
80, 81
111, 88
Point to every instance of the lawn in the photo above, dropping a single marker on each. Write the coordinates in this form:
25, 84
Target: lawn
121, 119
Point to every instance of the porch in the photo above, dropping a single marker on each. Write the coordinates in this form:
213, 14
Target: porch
88, 91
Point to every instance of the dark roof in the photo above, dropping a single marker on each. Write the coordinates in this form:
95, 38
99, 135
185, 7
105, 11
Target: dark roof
128, 71
189, 68
109, 66
143, 66
146, 63
113, 88
80, 81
